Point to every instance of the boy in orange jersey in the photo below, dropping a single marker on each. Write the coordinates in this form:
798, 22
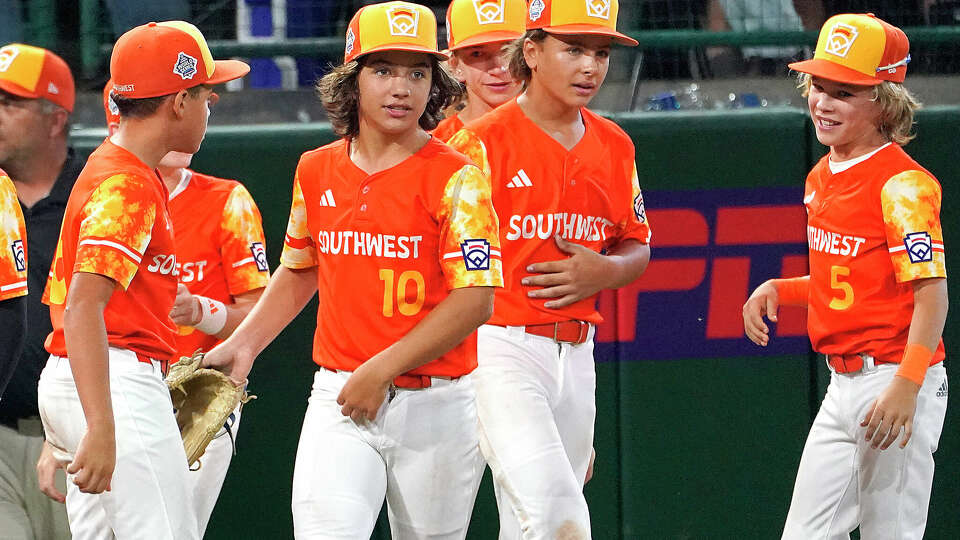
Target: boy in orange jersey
477, 32
572, 223
13, 279
876, 294
397, 233
105, 408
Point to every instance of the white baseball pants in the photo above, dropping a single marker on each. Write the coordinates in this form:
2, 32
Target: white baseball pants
535, 400
207, 481
420, 453
150, 496
843, 483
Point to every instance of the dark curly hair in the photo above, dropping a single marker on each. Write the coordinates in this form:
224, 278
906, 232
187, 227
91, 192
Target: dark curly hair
339, 93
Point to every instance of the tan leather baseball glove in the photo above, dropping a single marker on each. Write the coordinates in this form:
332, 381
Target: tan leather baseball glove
202, 401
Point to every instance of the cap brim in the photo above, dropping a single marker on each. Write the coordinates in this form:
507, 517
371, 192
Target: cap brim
228, 70
591, 30
440, 55
17, 90
818, 67
499, 36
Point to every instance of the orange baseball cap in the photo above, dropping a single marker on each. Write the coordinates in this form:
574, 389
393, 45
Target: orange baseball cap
574, 17
392, 26
32, 72
109, 107
478, 22
160, 58
858, 49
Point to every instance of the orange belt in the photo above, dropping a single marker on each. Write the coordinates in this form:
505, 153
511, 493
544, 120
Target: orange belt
409, 382
848, 363
564, 331
164, 364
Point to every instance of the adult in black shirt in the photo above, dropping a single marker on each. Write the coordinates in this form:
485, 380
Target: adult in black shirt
34, 123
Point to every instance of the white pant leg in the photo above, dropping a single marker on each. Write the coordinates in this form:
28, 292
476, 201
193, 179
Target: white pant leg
434, 465
535, 401
25, 512
207, 481
149, 496
339, 478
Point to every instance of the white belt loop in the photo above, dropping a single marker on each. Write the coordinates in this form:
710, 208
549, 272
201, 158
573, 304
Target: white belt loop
869, 364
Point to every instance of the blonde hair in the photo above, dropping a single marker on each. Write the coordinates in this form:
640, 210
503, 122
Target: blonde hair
897, 105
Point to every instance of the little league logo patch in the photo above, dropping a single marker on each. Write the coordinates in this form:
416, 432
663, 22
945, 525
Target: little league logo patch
404, 21
536, 9
919, 247
476, 254
350, 39
598, 8
841, 38
19, 258
638, 208
186, 66
259, 256
7, 55
488, 11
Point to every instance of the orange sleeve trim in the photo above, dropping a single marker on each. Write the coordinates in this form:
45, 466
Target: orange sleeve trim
916, 360
793, 291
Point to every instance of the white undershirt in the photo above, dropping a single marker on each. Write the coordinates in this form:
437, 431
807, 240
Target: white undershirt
185, 176
837, 167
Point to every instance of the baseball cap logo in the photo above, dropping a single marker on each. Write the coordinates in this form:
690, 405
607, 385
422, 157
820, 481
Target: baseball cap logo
186, 66
351, 38
840, 40
598, 8
404, 21
488, 11
536, 9
7, 54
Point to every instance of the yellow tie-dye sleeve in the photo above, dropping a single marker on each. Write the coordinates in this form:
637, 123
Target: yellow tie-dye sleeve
299, 250
469, 144
242, 245
115, 228
470, 234
13, 243
911, 216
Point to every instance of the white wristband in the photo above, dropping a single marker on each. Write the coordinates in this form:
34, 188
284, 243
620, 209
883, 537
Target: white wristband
213, 315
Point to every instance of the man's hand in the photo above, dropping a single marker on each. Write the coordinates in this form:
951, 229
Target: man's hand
763, 302
363, 393
96, 457
890, 412
186, 309
47, 467
570, 280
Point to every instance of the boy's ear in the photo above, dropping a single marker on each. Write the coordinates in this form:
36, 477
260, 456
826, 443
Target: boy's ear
179, 104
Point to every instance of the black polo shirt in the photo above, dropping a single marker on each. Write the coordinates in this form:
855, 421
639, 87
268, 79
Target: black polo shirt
43, 230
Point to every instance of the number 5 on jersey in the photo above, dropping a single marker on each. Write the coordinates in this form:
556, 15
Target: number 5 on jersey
404, 306
845, 289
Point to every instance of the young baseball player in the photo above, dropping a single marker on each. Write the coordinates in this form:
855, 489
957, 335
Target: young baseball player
876, 294
397, 233
572, 223
13, 279
477, 32
222, 270
104, 405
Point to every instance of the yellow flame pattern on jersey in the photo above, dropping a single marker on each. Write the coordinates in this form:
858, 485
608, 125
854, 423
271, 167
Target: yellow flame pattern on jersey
469, 144
115, 212
13, 238
241, 227
467, 210
305, 255
911, 203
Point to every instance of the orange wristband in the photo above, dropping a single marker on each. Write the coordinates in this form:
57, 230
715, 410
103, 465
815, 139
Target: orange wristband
793, 291
916, 360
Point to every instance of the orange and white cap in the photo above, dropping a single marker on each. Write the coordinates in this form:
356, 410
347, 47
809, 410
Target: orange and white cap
31, 72
478, 22
392, 26
110, 109
160, 58
577, 17
858, 48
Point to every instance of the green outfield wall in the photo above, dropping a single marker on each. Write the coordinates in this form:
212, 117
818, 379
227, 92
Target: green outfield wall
698, 433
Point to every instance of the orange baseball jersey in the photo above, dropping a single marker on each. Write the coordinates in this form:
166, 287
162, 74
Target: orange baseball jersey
588, 195
116, 225
220, 245
13, 242
447, 128
871, 230
388, 248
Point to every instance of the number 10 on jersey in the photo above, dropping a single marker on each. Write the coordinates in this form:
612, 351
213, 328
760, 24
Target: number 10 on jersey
400, 285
